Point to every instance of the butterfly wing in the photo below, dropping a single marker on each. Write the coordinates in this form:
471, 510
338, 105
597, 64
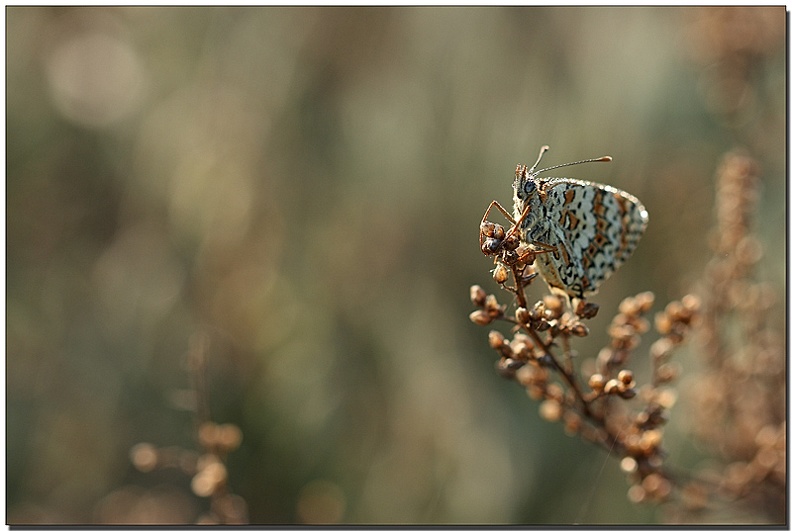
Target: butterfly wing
595, 227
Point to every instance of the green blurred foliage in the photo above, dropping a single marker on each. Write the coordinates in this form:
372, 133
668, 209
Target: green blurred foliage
304, 186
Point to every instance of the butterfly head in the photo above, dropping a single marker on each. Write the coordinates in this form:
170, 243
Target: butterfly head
524, 183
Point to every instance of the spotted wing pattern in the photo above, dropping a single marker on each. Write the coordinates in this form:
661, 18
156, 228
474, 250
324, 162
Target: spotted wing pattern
589, 230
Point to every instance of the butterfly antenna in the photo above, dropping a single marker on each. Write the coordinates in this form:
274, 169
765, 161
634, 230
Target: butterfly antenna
541, 154
606, 158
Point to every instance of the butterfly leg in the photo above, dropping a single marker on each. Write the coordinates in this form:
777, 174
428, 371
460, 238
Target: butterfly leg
499, 207
489, 240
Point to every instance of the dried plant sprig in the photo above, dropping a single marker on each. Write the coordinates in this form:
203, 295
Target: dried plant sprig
207, 468
739, 408
738, 403
540, 357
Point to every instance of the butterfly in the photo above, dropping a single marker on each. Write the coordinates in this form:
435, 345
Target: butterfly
580, 231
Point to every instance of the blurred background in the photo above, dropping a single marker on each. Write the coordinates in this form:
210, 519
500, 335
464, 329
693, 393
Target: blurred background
298, 191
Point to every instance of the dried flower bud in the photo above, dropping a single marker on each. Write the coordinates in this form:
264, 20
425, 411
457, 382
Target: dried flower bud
526, 376
691, 302
521, 349
491, 303
586, 310
500, 274
554, 305
626, 377
481, 317
661, 349
653, 416
674, 309
477, 295
596, 382
663, 323
511, 243
621, 333
229, 437
535, 392
579, 329
540, 326
572, 423
487, 228
640, 325
611, 387
508, 367
208, 434
629, 465
767, 436
527, 258
666, 398
636, 494
555, 392
656, 486
645, 301
490, 246
666, 372
629, 306
519, 336
495, 339
523, 315
627, 393
144, 456
748, 250
694, 496
550, 410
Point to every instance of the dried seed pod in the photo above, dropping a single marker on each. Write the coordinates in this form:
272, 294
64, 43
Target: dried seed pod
523, 315
500, 274
611, 387
496, 339
627, 393
596, 382
511, 243
490, 246
663, 323
572, 423
579, 329
691, 302
667, 372
553, 305
629, 306
645, 301
521, 349
550, 410
636, 494
626, 377
586, 310
481, 317
491, 303
508, 367
540, 326
487, 229
477, 295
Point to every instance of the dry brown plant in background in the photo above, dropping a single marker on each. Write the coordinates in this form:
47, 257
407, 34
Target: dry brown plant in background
738, 400
206, 467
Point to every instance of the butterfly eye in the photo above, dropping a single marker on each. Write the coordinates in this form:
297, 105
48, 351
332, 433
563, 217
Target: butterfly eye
523, 183
524, 186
